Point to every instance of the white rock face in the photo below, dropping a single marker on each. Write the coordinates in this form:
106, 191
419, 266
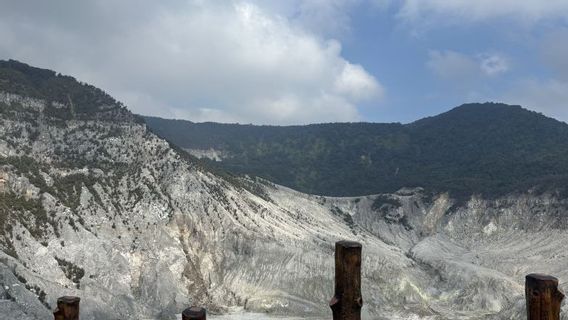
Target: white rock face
107, 211
211, 154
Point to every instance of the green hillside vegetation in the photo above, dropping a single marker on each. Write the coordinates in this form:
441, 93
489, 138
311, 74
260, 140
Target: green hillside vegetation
488, 149
66, 97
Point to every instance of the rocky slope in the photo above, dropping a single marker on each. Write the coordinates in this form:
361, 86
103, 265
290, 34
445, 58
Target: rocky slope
93, 204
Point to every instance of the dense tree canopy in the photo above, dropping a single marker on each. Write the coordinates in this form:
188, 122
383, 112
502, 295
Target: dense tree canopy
489, 149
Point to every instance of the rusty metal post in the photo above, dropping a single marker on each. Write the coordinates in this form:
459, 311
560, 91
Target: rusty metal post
194, 313
67, 308
347, 302
543, 297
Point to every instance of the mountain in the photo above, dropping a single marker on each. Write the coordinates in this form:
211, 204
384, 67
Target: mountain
94, 204
488, 149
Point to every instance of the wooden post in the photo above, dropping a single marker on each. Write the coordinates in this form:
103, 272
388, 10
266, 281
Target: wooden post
543, 297
347, 302
67, 308
194, 313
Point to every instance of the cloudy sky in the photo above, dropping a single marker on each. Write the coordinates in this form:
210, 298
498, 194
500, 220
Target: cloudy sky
300, 61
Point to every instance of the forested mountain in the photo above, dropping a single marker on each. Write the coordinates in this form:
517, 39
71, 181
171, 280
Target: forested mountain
490, 149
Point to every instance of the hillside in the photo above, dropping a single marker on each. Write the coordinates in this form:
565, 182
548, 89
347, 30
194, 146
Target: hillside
489, 149
94, 204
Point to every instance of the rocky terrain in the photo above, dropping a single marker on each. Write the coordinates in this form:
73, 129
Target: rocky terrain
94, 204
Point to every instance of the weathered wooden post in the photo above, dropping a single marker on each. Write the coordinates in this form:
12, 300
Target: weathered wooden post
347, 302
543, 297
194, 313
67, 308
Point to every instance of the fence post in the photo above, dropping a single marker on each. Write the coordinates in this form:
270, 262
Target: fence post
194, 313
543, 297
347, 302
67, 308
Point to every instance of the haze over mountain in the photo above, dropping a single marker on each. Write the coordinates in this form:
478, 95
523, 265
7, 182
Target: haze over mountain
489, 149
94, 204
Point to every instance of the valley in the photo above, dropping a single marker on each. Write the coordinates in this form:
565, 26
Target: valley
95, 204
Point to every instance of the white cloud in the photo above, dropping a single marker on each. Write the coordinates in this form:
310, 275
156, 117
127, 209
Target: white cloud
460, 11
493, 64
202, 60
354, 82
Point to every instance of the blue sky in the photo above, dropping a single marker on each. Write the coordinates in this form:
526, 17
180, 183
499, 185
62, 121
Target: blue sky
300, 61
428, 66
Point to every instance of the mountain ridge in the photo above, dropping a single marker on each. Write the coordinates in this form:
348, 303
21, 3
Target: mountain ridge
465, 151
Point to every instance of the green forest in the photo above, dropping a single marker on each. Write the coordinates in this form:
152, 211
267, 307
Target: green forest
488, 149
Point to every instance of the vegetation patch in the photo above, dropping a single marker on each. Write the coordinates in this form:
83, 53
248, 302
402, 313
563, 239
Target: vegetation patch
17, 208
347, 218
28, 167
41, 295
69, 188
385, 203
72, 271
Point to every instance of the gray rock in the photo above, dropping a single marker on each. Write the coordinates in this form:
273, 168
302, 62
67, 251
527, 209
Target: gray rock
105, 210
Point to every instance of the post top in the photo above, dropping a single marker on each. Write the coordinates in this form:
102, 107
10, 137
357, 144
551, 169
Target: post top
348, 244
68, 300
193, 311
542, 279
540, 276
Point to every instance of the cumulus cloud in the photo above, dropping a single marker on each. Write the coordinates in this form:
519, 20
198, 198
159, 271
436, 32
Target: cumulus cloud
459, 11
202, 60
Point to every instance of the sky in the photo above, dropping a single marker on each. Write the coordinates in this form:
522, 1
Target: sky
300, 61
